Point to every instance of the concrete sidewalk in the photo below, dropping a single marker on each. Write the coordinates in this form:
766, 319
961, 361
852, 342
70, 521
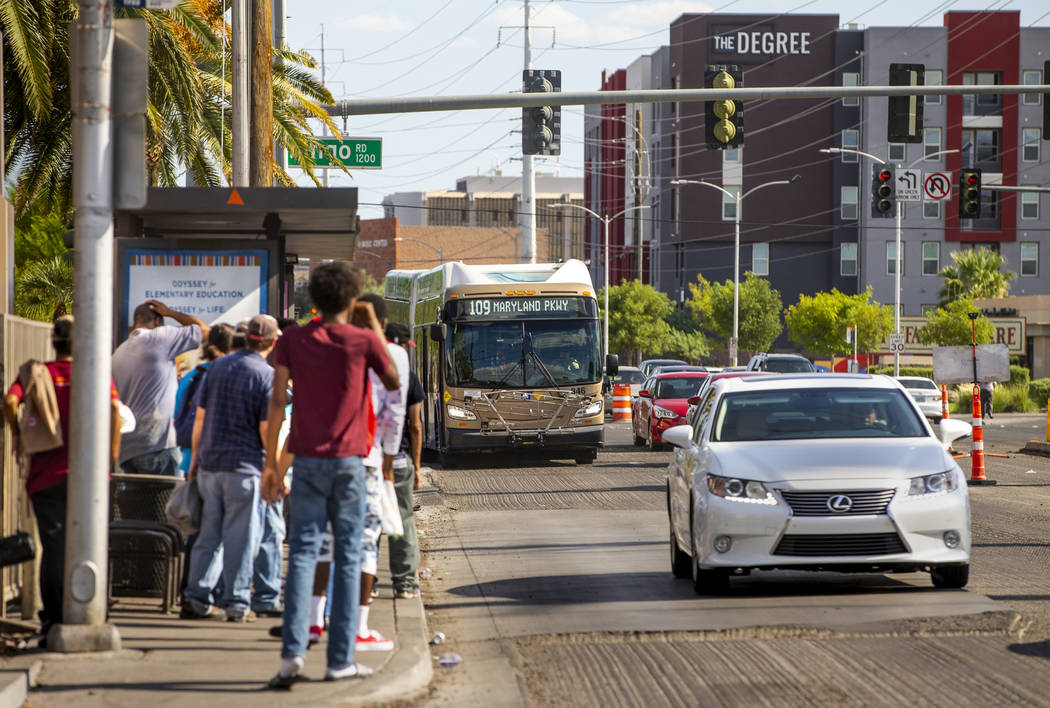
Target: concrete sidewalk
166, 661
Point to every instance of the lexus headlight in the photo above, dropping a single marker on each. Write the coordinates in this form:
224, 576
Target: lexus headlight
940, 483
593, 408
457, 413
742, 490
659, 412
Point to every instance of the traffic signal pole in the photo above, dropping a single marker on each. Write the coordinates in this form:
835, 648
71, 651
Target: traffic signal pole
86, 577
897, 291
528, 175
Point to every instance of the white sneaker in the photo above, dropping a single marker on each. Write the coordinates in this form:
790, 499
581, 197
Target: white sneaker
349, 671
289, 673
373, 641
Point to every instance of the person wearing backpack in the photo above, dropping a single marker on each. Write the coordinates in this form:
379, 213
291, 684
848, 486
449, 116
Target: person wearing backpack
219, 343
46, 481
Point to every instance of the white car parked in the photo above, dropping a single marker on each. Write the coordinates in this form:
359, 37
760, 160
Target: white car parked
926, 394
815, 472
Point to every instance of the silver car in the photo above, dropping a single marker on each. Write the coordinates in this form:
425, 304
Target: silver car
925, 393
815, 472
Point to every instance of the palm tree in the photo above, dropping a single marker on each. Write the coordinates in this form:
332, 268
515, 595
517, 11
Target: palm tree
187, 117
44, 287
975, 273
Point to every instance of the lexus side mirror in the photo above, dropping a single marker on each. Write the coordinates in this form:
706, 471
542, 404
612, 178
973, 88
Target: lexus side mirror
438, 332
693, 400
612, 364
644, 393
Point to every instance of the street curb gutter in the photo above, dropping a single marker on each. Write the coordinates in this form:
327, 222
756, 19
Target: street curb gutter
1037, 447
409, 669
15, 684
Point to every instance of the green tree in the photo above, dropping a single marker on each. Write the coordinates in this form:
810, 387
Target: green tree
42, 287
818, 323
38, 237
636, 319
974, 273
187, 117
760, 307
950, 326
688, 346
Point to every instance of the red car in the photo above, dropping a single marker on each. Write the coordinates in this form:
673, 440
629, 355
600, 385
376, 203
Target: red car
662, 403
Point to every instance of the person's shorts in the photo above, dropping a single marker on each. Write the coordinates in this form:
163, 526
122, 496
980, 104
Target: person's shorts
373, 528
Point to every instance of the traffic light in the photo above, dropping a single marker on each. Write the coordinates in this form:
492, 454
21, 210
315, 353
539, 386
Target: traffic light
724, 119
541, 125
883, 192
904, 120
969, 194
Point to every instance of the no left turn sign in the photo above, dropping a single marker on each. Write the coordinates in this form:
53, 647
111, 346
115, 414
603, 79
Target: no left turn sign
937, 185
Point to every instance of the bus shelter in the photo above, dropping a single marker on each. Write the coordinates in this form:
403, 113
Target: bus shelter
225, 254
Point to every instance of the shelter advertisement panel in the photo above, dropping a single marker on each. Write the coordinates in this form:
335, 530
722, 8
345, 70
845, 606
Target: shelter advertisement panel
215, 285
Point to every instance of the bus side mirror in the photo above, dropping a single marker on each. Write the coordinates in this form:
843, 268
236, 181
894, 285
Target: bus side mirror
438, 332
612, 364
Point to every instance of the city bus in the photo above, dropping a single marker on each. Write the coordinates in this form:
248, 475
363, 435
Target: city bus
509, 356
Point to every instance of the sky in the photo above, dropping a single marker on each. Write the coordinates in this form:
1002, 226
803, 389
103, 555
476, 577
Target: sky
406, 48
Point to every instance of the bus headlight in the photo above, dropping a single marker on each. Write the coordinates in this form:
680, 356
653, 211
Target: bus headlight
457, 413
593, 408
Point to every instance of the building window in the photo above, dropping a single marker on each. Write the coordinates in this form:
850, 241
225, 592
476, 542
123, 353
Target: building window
1029, 205
891, 258
848, 208
760, 258
850, 141
931, 257
931, 143
674, 152
897, 152
1031, 77
674, 208
980, 145
1030, 144
729, 204
927, 309
732, 155
934, 77
848, 258
851, 79
931, 209
1029, 259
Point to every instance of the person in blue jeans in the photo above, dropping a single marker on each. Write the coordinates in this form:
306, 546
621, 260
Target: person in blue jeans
328, 360
227, 460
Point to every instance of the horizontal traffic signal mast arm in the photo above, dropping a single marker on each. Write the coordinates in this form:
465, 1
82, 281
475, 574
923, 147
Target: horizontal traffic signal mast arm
421, 104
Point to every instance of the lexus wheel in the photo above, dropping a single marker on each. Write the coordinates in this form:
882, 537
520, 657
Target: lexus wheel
950, 576
679, 559
708, 581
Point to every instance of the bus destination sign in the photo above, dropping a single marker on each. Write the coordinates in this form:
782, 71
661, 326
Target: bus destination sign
513, 308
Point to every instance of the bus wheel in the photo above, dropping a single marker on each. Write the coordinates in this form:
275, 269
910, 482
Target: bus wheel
586, 457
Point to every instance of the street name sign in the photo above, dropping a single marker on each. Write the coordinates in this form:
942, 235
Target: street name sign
937, 185
149, 4
358, 153
909, 185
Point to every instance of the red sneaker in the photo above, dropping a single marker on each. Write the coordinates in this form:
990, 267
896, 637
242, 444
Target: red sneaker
373, 641
315, 636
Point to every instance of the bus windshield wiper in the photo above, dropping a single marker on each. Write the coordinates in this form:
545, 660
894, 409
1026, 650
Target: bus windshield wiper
539, 363
506, 376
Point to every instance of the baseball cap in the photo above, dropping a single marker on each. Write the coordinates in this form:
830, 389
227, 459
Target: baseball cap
262, 328
399, 333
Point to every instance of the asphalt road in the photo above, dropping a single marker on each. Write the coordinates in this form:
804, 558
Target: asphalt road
552, 584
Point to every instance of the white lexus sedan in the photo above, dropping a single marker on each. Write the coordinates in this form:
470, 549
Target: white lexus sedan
815, 472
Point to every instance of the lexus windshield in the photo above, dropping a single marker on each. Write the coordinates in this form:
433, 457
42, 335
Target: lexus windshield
524, 353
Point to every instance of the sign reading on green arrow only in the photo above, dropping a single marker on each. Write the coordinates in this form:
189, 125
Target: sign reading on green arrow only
359, 153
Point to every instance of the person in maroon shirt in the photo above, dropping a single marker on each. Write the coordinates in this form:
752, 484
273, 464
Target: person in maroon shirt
329, 361
49, 470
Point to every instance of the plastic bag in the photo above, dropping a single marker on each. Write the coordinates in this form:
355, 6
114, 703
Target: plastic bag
389, 512
184, 507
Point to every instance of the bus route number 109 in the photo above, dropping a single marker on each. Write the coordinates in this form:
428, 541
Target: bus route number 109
480, 308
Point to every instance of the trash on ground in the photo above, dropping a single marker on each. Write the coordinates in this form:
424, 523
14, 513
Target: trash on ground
438, 638
449, 661
425, 573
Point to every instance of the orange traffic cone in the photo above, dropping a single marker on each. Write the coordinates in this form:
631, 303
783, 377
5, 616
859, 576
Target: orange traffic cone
977, 476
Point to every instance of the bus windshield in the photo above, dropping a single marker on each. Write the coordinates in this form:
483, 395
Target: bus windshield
524, 353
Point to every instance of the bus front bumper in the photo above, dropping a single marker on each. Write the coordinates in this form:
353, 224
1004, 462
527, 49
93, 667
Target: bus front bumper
583, 436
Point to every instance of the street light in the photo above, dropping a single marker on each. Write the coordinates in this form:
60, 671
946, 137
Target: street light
605, 220
435, 249
739, 198
897, 241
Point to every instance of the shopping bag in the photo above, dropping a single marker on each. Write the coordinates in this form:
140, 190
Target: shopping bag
16, 549
184, 507
389, 512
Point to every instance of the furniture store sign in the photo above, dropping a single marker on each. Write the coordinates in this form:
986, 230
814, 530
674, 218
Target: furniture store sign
761, 42
1009, 331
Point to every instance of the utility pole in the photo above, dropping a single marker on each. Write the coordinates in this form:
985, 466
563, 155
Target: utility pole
324, 175
279, 38
240, 104
528, 176
261, 129
84, 625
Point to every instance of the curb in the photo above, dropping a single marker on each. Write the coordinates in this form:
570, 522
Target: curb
15, 684
409, 670
1036, 447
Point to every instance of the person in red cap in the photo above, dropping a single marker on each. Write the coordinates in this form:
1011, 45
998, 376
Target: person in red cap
227, 459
